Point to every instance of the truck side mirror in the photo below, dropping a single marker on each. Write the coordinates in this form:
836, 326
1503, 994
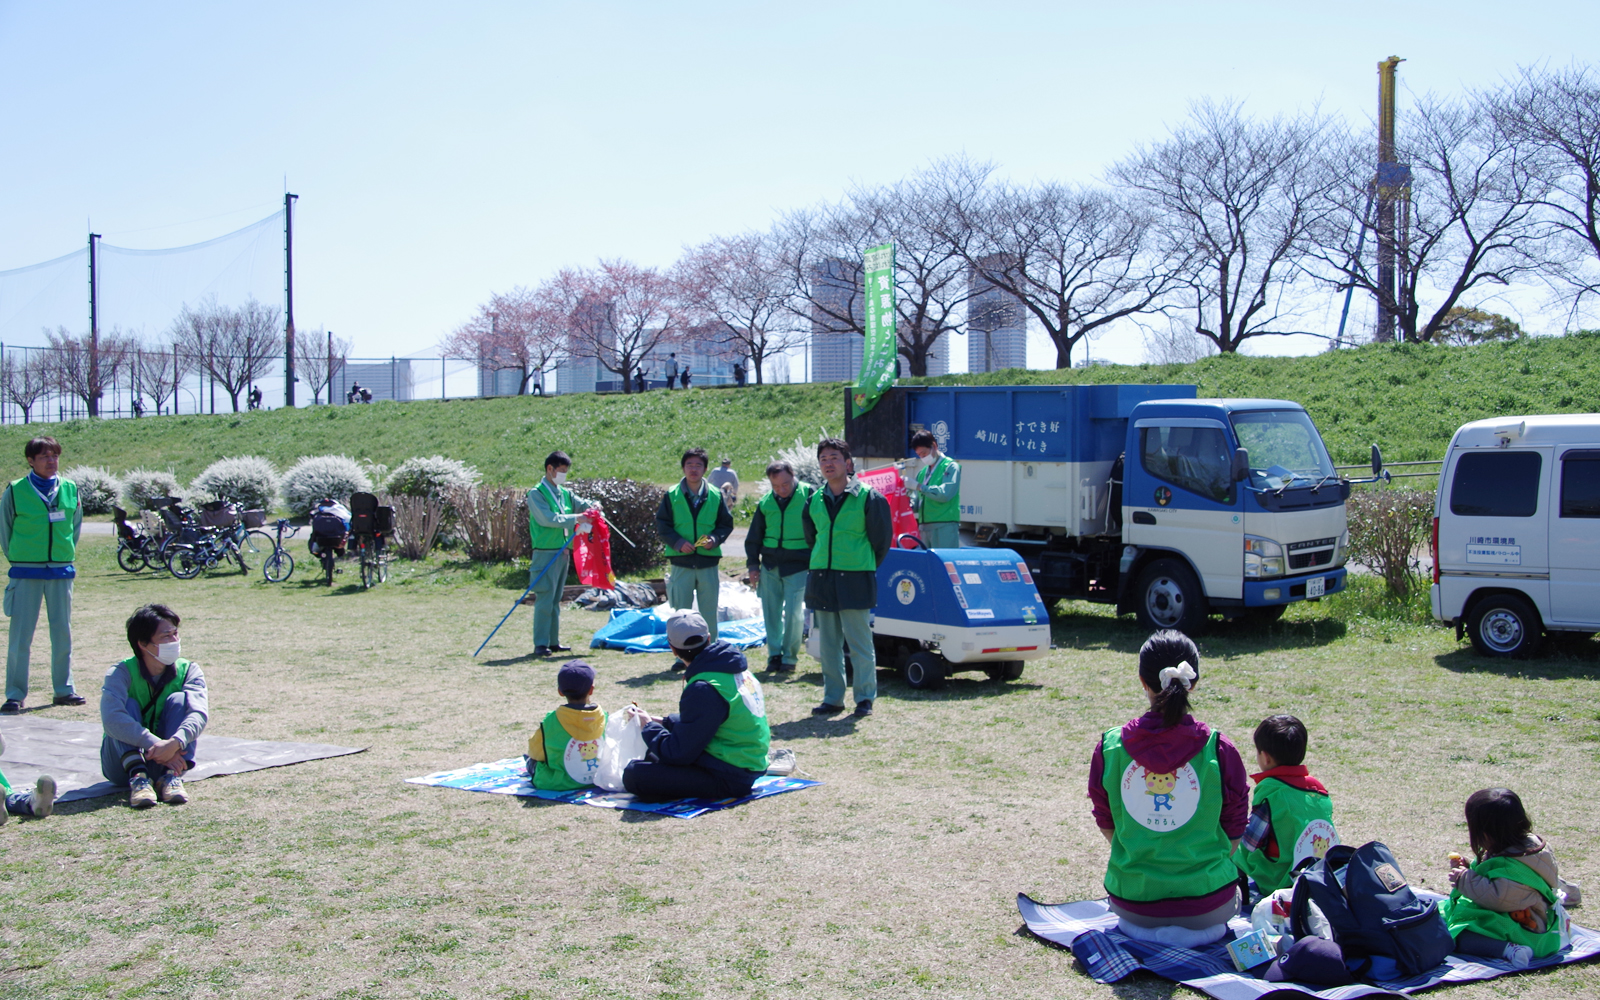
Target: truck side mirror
1377, 460
1241, 465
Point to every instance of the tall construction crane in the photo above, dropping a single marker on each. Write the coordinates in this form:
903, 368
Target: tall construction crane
1390, 190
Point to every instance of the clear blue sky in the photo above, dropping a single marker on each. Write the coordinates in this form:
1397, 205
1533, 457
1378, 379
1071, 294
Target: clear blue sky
443, 151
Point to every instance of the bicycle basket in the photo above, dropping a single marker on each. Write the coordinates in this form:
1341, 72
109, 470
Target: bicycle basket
362, 522
255, 518
224, 517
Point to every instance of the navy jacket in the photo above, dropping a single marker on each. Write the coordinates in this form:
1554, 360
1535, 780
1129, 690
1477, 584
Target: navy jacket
682, 737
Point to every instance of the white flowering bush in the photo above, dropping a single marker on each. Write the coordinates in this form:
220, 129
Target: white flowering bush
317, 476
246, 480
140, 485
98, 489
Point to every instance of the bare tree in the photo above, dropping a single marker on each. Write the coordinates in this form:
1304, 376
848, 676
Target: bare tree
1553, 118
1233, 202
27, 381
515, 331
735, 287
1472, 216
319, 360
617, 314
821, 264
233, 346
85, 368
1074, 257
156, 369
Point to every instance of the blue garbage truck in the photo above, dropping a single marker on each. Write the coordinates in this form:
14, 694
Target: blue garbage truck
1170, 507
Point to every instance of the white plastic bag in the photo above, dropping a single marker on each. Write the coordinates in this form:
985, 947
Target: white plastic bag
622, 745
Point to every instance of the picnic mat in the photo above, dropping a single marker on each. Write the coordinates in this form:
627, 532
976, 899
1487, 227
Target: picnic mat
1089, 929
645, 631
70, 753
510, 777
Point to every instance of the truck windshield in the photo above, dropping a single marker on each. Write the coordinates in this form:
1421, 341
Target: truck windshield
1285, 448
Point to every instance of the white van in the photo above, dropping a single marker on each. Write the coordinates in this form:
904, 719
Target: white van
1516, 531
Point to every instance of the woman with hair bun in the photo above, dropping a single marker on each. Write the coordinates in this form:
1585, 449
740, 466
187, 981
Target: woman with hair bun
1170, 795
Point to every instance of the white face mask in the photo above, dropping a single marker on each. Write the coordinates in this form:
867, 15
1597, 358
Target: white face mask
929, 459
560, 478
167, 652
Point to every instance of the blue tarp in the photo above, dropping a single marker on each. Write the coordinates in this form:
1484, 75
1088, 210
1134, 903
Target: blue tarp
635, 630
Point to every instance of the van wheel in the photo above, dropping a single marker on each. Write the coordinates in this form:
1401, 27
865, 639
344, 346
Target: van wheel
925, 671
1504, 625
1168, 596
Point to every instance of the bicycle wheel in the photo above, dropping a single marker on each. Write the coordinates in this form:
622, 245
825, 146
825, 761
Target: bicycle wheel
327, 565
369, 571
278, 567
257, 544
129, 558
183, 562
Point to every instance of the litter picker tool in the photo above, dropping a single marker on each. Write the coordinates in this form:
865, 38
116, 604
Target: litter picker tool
525, 593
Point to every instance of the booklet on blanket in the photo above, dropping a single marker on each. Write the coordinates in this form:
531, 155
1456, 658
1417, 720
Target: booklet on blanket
1251, 950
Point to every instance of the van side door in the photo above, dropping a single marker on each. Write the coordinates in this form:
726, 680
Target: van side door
1575, 539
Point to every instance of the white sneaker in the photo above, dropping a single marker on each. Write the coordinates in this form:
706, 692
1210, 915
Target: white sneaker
44, 796
1518, 956
782, 763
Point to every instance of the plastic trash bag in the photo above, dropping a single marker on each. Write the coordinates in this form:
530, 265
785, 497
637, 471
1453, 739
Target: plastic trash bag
622, 745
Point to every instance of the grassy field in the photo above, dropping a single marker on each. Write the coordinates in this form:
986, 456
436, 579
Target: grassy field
1407, 398
896, 878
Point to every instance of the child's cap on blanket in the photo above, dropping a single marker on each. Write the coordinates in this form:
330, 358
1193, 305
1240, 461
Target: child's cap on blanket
575, 679
1310, 960
687, 630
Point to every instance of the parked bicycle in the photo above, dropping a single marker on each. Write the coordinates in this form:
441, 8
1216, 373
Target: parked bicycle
330, 528
137, 548
279, 564
370, 524
219, 533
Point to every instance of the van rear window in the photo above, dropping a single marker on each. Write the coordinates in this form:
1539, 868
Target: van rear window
1580, 484
1496, 484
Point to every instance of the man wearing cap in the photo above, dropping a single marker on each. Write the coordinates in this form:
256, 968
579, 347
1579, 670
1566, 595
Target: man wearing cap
715, 745
935, 490
40, 523
693, 522
554, 516
564, 752
777, 556
849, 527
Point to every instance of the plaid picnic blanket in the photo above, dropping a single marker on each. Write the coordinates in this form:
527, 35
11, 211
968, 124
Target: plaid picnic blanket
1088, 928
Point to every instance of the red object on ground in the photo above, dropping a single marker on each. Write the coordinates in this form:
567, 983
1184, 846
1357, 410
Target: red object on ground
591, 555
888, 482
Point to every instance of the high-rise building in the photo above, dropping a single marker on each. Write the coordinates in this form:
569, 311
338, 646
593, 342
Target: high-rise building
835, 346
997, 323
391, 379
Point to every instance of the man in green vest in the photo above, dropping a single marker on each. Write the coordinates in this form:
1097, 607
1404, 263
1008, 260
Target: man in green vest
153, 707
935, 493
715, 745
849, 527
693, 522
40, 523
777, 556
554, 517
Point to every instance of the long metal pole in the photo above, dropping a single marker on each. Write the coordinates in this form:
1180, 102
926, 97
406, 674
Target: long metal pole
1387, 194
330, 367
288, 298
93, 388
553, 560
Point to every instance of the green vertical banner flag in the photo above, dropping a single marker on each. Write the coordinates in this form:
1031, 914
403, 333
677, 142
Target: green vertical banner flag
879, 351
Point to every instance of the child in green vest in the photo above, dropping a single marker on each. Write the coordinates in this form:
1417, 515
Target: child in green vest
564, 752
1501, 904
1291, 818
39, 802
1170, 797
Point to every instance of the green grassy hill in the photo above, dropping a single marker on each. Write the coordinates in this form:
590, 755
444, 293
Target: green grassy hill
1406, 398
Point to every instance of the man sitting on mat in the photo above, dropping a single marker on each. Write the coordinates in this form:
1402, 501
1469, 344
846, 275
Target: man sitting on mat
153, 708
715, 745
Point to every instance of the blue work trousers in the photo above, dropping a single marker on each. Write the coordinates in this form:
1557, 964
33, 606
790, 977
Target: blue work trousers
22, 601
547, 594
783, 605
834, 630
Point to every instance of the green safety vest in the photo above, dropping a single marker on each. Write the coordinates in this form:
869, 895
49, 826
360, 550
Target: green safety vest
786, 526
842, 541
560, 503
744, 738
1168, 841
694, 527
139, 686
34, 537
570, 763
1302, 823
938, 511
1462, 914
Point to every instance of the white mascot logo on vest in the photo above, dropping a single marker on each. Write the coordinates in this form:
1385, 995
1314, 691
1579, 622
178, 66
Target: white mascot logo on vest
582, 760
1160, 801
750, 691
1315, 840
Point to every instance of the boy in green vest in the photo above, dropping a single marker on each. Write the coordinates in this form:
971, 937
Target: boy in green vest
564, 752
935, 493
777, 556
554, 516
1291, 816
693, 522
40, 523
715, 745
849, 528
153, 707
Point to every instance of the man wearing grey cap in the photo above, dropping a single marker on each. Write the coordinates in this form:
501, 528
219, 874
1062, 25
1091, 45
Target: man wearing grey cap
715, 745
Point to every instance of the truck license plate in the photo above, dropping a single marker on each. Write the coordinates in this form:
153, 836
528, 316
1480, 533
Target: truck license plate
1315, 586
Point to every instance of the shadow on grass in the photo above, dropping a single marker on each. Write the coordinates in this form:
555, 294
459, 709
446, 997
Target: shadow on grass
513, 660
81, 807
663, 673
1561, 659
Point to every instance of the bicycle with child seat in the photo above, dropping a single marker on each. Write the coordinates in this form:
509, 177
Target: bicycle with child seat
221, 532
279, 564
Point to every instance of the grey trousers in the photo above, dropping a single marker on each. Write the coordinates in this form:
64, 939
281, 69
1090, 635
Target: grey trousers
22, 601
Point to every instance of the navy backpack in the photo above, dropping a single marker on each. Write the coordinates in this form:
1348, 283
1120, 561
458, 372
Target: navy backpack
1371, 910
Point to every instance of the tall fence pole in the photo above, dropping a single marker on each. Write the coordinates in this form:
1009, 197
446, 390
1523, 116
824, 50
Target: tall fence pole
94, 333
288, 298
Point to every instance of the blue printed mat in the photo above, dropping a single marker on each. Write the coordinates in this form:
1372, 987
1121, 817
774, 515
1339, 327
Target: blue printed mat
510, 777
634, 630
1107, 955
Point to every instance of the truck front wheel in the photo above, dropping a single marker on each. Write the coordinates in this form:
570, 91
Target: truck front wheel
1169, 596
1504, 625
